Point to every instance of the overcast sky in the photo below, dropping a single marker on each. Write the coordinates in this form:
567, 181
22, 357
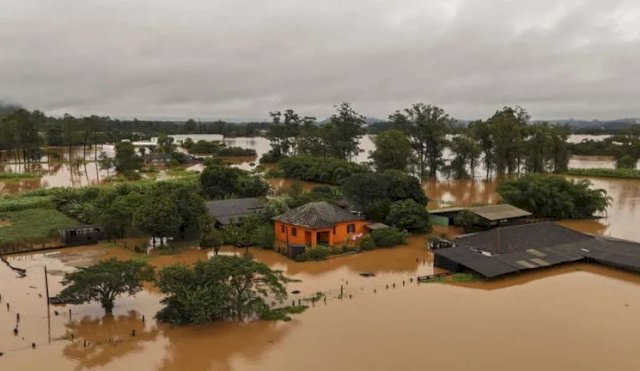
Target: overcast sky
240, 59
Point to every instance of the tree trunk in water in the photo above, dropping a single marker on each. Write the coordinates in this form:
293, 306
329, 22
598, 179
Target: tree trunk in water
108, 308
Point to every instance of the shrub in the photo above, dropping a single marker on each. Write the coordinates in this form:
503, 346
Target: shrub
316, 254
366, 243
409, 215
388, 237
554, 196
16, 203
321, 170
626, 162
263, 236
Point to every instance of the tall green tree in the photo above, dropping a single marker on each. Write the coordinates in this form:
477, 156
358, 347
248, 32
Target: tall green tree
105, 281
283, 131
341, 134
508, 129
393, 151
223, 287
426, 126
466, 156
482, 133
126, 160
159, 217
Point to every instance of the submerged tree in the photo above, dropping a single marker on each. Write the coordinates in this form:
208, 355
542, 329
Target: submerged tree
393, 151
105, 281
427, 127
553, 196
341, 133
223, 287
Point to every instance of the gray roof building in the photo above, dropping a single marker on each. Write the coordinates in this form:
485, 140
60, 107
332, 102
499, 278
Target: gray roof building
231, 211
317, 215
519, 248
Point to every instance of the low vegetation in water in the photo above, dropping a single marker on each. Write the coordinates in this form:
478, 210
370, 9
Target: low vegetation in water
606, 173
282, 314
18, 176
320, 252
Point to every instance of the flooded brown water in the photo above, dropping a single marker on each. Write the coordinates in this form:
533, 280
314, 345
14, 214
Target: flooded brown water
525, 322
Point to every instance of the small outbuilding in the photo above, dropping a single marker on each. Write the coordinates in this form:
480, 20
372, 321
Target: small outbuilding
490, 216
225, 212
82, 235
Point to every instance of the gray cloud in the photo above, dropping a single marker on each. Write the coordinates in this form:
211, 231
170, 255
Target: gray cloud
240, 59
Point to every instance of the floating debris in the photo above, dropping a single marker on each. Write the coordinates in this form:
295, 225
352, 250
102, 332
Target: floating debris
367, 274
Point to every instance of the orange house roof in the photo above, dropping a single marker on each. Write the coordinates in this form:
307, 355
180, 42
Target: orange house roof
317, 215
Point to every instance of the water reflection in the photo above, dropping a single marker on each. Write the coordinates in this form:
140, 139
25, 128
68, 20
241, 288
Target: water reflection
98, 341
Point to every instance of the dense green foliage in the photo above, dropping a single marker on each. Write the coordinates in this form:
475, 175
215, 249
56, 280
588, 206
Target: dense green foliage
606, 173
426, 127
374, 193
32, 225
127, 161
388, 237
225, 182
13, 203
554, 196
105, 281
393, 151
467, 220
291, 134
321, 170
213, 148
409, 215
223, 287
626, 162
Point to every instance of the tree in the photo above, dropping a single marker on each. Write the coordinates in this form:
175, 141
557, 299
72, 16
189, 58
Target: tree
118, 218
374, 193
467, 153
481, 132
223, 287
159, 217
409, 215
212, 238
393, 151
106, 162
426, 127
126, 160
341, 133
626, 162
553, 196
220, 181
283, 131
105, 281
263, 236
508, 132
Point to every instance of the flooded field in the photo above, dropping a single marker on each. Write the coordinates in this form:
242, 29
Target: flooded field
522, 323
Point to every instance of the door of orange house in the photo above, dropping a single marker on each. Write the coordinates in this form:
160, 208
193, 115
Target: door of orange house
307, 238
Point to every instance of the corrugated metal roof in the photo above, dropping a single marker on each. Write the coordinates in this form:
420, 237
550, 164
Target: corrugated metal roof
499, 212
230, 211
375, 226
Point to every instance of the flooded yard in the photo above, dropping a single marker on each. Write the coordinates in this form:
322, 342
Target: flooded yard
524, 322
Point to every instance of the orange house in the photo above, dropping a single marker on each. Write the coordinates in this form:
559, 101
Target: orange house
318, 223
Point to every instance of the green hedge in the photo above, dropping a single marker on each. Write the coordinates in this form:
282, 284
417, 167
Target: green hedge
606, 173
318, 169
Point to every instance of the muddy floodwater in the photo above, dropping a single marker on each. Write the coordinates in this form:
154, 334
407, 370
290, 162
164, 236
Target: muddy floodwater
577, 317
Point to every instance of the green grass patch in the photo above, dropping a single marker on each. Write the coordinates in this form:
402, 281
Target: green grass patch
605, 173
179, 172
463, 277
19, 176
17, 203
32, 225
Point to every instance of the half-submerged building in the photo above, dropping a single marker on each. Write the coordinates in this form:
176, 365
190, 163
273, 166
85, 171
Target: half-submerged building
508, 250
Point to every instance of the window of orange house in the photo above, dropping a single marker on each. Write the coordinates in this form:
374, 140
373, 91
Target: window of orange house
294, 232
282, 228
334, 230
351, 228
